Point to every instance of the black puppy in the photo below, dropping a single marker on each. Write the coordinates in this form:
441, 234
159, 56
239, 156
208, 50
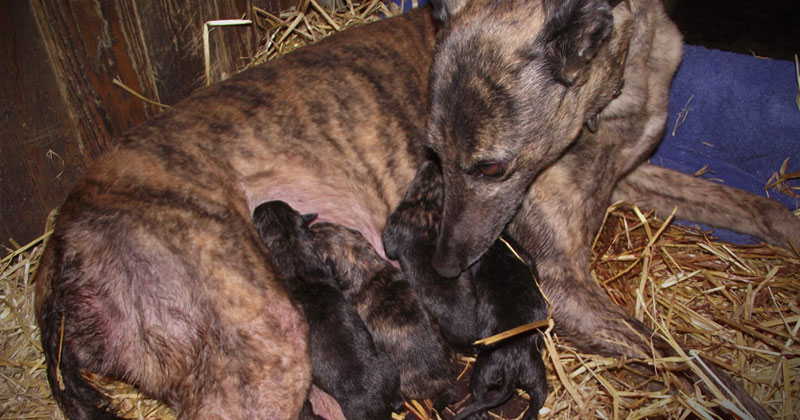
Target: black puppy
392, 312
345, 362
507, 298
498, 293
410, 238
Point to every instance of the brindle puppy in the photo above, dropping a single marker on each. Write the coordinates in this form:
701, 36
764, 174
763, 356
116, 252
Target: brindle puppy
344, 360
410, 237
390, 308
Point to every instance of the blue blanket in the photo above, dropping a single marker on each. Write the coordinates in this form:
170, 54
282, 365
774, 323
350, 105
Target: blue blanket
737, 116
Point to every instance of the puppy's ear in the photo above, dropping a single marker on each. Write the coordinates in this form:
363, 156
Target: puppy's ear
573, 33
444, 9
392, 237
331, 267
308, 218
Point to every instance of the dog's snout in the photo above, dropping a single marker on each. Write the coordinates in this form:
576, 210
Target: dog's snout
444, 266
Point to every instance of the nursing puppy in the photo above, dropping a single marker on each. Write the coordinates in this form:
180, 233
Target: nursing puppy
496, 294
508, 297
410, 238
391, 310
344, 360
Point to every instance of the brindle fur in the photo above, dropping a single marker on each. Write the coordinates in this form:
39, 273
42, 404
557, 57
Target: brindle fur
156, 272
410, 237
344, 360
534, 86
167, 211
391, 310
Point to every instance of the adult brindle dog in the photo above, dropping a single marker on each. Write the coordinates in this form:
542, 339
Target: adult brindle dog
156, 276
542, 112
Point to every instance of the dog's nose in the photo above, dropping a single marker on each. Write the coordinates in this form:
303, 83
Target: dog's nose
445, 267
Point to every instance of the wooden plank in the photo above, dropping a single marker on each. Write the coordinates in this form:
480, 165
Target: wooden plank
59, 106
275, 6
89, 48
39, 159
172, 31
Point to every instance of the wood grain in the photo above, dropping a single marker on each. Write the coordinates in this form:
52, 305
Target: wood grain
58, 105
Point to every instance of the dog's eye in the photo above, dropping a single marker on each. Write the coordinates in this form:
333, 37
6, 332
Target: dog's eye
493, 169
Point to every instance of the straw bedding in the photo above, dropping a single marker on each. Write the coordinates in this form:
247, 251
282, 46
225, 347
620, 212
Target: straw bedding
737, 306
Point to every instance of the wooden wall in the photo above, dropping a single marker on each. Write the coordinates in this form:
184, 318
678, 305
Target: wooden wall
58, 106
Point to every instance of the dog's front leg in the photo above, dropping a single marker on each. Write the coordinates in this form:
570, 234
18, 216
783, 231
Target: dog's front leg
557, 223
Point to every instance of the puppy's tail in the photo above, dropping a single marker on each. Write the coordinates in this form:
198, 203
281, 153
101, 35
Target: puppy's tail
78, 399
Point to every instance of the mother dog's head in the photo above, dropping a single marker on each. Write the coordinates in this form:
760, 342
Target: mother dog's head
512, 85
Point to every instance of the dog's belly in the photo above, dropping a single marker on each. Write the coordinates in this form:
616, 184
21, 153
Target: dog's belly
336, 208
336, 200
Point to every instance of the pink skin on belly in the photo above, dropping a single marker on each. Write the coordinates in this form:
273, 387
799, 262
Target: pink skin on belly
330, 205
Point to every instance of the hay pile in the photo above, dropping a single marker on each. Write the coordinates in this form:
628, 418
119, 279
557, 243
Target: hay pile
24, 392
309, 22
737, 306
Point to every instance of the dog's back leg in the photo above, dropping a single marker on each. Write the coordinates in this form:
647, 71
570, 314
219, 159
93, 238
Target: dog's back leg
707, 202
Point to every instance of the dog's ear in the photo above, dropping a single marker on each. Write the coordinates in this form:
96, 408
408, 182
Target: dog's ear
444, 9
331, 267
392, 237
308, 218
573, 33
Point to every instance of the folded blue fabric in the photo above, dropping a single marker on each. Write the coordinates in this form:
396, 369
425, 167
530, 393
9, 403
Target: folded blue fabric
736, 115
